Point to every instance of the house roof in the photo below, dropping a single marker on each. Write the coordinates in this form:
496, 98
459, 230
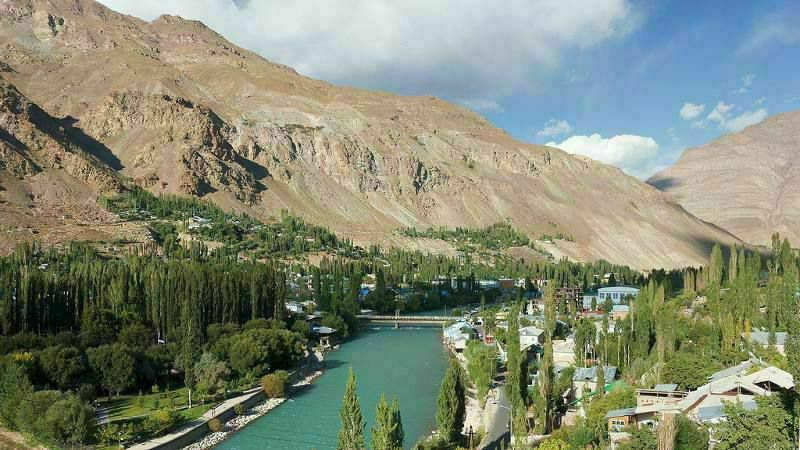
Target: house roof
666, 387
590, 373
530, 331
744, 365
620, 412
762, 337
323, 330
620, 289
718, 411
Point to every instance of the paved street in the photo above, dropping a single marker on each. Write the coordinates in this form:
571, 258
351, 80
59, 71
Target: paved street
497, 426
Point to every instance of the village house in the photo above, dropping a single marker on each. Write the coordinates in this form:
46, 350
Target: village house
762, 338
488, 284
741, 383
569, 296
458, 335
530, 336
585, 378
294, 307
564, 351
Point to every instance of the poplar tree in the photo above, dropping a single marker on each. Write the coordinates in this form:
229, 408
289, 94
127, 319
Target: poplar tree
733, 264
450, 405
715, 266
601, 380
384, 428
398, 435
351, 433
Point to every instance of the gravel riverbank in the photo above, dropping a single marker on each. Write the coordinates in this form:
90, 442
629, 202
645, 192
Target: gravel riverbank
252, 414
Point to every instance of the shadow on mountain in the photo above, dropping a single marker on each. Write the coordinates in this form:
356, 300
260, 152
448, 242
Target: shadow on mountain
661, 183
89, 144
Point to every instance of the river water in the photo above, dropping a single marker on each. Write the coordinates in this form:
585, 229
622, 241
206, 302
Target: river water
409, 362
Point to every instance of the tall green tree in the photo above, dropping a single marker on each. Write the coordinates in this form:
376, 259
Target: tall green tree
399, 435
14, 388
351, 433
190, 354
385, 430
450, 405
792, 349
768, 427
115, 366
715, 266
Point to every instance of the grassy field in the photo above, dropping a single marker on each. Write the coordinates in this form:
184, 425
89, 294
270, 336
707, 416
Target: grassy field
128, 406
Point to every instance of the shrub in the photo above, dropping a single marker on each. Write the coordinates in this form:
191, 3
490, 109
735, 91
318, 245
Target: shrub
274, 384
86, 393
215, 425
239, 409
161, 420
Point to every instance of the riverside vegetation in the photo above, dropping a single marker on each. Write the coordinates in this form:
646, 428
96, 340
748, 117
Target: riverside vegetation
147, 327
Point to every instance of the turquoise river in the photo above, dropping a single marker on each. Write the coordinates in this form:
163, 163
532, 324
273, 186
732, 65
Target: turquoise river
409, 363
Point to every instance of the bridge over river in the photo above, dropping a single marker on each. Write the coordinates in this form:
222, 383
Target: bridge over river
397, 319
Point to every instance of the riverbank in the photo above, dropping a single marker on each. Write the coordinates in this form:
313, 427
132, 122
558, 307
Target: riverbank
408, 363
475, 414
239, 422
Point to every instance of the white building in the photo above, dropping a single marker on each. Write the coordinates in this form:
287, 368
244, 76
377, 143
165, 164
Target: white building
458, 335
530, 336
294, 307
616, 293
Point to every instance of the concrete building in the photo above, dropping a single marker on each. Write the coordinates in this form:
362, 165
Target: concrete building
617, 294
564, 351
530, 336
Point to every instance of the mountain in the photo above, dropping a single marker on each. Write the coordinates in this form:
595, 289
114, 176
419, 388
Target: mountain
174, 106
746, 182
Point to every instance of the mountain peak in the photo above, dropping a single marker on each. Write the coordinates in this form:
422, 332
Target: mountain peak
178, 109
747, 182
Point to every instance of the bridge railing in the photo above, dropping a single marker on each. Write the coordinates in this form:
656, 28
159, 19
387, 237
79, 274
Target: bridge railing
408, 318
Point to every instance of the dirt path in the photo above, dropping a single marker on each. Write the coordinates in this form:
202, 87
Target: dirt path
10, 440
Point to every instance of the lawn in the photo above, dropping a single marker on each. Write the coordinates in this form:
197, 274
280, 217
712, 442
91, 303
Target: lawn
128, 406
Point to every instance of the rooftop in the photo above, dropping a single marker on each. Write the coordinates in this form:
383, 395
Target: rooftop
762, 337
620, 412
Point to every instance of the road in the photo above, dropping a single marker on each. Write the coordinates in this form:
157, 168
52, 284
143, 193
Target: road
497, 427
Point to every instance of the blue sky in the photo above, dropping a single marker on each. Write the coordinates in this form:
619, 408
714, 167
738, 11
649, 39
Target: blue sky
629, 83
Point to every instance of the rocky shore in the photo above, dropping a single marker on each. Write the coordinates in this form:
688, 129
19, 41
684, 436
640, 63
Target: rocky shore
238, 422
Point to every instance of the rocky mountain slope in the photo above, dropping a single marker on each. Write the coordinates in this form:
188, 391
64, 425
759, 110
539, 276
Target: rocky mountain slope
746, 182
49, 183
174, 106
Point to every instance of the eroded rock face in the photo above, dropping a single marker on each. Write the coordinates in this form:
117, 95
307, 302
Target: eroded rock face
32, 140
746, 182
179, 109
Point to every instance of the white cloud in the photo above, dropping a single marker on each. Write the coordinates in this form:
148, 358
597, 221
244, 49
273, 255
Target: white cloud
672, 135
747, 80
636, 155
691, 111
720, 112
745, 119
482, 105
760, 101
722, 115
411, 46
555, 127
782, 27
